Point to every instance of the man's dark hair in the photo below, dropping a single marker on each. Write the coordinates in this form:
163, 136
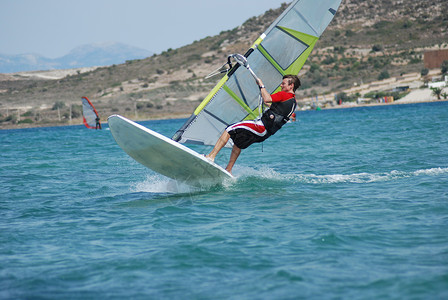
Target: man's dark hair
293, 79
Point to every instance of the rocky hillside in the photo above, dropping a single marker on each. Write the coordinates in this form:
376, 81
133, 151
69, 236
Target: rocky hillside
365, 42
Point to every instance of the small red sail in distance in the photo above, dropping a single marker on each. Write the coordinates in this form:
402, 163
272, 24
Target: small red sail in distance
89, 114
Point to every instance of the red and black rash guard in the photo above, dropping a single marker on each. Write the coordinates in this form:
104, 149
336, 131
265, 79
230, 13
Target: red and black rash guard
282, 107
281, 96
283, 103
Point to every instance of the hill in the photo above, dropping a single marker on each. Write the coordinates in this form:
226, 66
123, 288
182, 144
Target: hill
364, 43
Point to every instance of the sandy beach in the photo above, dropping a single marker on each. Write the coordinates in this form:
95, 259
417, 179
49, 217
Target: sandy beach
418, 95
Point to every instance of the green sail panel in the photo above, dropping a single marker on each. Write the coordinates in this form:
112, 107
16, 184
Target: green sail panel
282, 49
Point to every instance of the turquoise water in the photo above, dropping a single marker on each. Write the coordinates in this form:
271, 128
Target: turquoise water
342, 204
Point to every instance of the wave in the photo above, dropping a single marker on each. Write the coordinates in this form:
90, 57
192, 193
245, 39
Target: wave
159, 184
270, 174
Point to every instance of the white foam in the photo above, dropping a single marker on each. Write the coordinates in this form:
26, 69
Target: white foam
371, 177
263, 172
160, 184
433, 171
270, 174
341, 178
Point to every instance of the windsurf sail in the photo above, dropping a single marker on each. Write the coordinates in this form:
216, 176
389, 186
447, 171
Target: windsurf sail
89, 114
282, 49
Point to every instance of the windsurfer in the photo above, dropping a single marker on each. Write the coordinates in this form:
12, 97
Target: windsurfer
293, 117
281, 106
98, 124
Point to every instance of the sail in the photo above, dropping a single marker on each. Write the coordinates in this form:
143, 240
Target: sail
90, 115
282, 49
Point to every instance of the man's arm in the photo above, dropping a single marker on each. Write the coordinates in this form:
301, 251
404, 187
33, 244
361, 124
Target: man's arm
264, 93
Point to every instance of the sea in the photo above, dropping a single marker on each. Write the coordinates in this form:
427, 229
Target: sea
341, 204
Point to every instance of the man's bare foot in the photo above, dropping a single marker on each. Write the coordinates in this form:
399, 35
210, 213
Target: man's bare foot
209, 157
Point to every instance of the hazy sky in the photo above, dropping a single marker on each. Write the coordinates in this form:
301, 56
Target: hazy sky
54, 27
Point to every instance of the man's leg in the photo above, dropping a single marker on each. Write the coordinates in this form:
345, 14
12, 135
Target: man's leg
233, 156
222, 141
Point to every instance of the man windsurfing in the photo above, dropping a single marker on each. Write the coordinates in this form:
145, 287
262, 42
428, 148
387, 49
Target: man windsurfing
243, 134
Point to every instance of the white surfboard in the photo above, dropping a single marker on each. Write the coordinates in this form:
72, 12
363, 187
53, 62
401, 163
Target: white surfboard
164, 155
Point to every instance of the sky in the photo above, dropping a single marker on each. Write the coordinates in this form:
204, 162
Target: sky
52, 28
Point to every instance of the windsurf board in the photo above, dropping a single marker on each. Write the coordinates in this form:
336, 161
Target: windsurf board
164, 155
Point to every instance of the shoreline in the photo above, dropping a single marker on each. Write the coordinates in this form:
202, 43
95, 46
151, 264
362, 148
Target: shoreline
383, 104
48, 125
418, 93
186, 115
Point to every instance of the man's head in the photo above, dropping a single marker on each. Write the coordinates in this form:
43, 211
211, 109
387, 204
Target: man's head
292, 80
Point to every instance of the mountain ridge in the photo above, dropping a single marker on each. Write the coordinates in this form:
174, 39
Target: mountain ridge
88, 55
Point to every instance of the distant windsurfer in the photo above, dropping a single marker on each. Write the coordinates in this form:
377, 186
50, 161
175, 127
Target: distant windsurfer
293, 117
90, 116
98, 124
243, 134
